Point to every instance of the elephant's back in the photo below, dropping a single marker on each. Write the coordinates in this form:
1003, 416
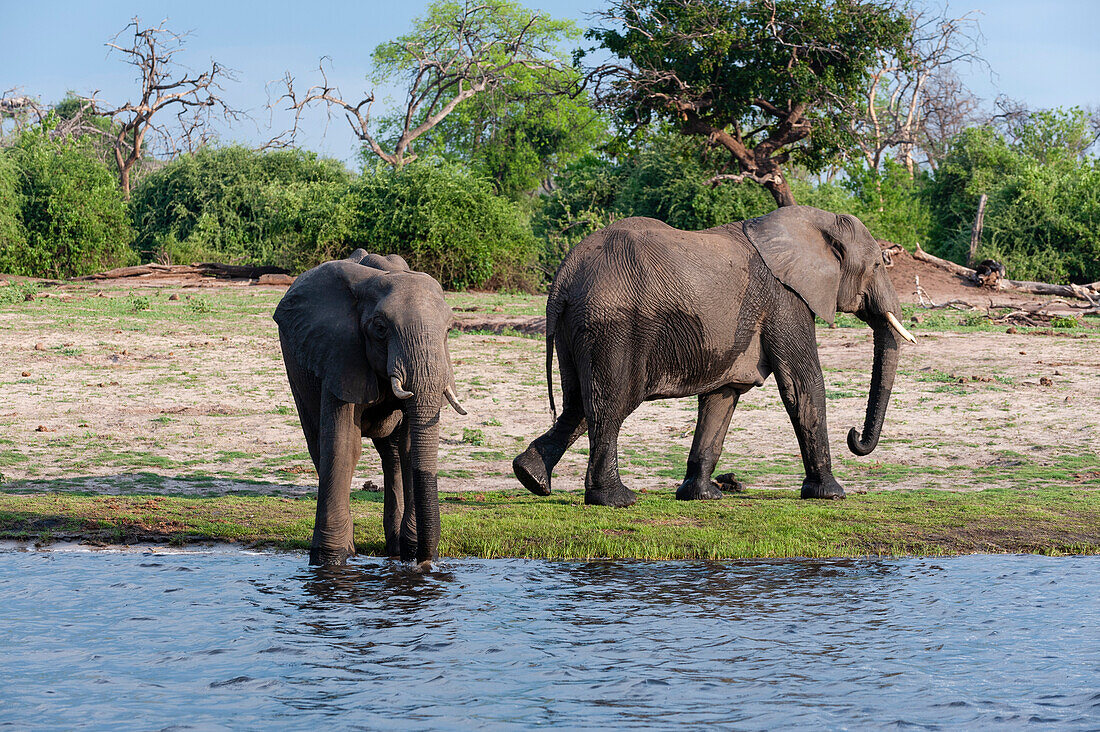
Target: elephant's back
640, 262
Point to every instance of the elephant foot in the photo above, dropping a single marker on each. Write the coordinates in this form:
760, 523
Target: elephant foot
827, 487
531, 471
617, 497
329, 557
698, 489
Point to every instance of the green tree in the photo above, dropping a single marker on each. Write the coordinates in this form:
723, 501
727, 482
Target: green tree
890, 201
769, 81
663, 177
519, 135
457, 50
71, 211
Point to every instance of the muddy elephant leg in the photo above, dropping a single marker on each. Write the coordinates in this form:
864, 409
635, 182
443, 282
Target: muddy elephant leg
306, 389
715, 412
535, 465
393, 501
602, 484
408, 537
802, 388
341, 441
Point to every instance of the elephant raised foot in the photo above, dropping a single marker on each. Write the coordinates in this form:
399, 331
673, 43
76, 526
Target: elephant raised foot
531, 472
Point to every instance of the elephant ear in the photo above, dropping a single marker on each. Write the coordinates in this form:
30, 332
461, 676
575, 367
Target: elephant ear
795, 245
389, 263
357, 256
319, 321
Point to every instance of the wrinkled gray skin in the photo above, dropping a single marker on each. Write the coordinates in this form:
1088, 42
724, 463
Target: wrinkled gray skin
641, 311
347, 328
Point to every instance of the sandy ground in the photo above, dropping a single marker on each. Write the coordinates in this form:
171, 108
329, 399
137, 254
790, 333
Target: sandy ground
190, 396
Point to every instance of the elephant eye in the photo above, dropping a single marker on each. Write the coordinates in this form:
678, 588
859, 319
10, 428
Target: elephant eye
378, 326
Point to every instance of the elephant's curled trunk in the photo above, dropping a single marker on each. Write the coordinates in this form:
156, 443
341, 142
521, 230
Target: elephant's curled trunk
882, 382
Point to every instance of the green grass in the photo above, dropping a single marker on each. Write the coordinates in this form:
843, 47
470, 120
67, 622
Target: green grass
753, 524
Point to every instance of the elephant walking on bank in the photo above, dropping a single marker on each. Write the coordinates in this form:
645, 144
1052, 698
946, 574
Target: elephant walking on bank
641, 311
364, 340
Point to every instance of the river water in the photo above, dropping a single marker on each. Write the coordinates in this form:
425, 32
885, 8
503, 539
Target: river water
236, 640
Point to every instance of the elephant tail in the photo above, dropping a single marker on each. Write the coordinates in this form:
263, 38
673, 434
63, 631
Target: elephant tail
551, 321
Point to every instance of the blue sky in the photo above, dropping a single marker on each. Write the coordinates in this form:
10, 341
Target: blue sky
1043, 52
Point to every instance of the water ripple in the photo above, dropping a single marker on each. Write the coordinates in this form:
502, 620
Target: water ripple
230, 641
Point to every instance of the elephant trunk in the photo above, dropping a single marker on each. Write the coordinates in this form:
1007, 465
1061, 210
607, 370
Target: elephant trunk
882, 382
422, 414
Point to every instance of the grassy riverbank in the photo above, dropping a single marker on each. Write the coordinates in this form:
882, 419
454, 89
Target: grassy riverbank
132, 416
753, 524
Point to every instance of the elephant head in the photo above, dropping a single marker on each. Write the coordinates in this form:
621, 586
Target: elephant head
834, 264
376, 334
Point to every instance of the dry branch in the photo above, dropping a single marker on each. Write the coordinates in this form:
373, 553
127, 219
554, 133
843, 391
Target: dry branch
165, 85
203, 269
1089, 293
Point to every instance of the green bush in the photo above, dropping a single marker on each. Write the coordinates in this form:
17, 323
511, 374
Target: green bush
13, 238
72, 219
1042, 218
447, 222
237, 205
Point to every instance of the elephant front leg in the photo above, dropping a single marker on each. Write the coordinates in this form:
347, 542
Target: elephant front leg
393, 502
802, 388
340, 443
715, 412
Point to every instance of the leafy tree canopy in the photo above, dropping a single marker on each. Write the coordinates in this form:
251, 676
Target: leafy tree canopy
519, 135
768, 80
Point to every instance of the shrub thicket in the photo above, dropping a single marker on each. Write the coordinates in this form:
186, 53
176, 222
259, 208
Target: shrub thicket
1043, 212
12, 236
71, 217
237, 205
447, 222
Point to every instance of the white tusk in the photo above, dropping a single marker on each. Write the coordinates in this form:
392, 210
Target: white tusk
450, 394
899, 328
397, 390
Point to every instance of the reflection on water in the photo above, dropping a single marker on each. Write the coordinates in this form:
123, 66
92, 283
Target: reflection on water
212, 641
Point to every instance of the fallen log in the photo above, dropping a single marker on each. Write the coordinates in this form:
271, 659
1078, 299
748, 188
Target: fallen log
1089, 293
203, 269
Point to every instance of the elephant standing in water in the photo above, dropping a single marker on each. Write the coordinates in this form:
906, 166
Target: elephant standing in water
364, 340
641, 311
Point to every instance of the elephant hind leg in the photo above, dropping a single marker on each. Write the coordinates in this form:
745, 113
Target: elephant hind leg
602, 484
535, 465
306, 389
393, 501
715, 412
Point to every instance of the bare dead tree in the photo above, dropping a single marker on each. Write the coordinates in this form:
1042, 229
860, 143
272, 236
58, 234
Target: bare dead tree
165, 84
909, 88
948, 108
448, 59
20, 110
